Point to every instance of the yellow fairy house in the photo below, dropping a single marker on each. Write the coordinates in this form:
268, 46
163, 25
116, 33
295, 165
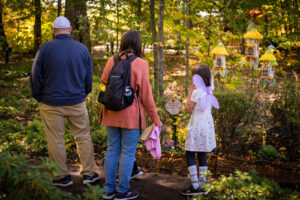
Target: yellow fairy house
219, 53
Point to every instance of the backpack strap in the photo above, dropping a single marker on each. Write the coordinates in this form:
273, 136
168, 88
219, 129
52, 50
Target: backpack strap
116, 59
140, 117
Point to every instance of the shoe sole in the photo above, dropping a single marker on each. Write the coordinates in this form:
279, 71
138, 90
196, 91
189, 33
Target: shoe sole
195, 193
91, 181
136, 175
109, 197
63, 185
127, 198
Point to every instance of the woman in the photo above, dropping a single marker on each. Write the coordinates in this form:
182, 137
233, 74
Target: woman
123, 127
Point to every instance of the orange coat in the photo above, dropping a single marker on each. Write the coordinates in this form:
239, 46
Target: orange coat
129, 116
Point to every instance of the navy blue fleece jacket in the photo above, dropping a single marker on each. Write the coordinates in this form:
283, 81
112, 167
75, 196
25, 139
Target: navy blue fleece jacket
62, 72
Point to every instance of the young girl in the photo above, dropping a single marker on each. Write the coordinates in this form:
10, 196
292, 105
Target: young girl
200, 137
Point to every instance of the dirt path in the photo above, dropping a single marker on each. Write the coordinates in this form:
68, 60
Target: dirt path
150, 186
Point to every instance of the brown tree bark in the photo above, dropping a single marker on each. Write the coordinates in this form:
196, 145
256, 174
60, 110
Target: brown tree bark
3, 40
117, 26
58, 8
76, 12
155, 47
161, 44
37, 25
187, 52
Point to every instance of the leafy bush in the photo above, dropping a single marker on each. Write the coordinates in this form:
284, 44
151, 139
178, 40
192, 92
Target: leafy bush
19, 180
243, 185
93, 193
10, 137
25, 92
268, 153
35, 136
93, 106
236, 111
286, 114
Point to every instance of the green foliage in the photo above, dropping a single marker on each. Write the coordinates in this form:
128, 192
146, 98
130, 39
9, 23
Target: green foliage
236, 112
286, 114
93, 193
69, 139
35, 136
268, 153
10, 137
243, 185
93, 106
19, 180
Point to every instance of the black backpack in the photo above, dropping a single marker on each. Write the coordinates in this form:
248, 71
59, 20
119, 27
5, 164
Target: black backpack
118, 94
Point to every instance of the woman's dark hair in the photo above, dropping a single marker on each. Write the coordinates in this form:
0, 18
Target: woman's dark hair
131, 42
204, 72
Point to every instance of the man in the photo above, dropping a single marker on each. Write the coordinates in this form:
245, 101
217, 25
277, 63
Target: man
61, 78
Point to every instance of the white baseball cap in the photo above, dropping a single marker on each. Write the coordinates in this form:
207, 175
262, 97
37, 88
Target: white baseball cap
61, 22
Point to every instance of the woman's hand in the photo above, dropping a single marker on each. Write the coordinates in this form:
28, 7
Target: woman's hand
189, 105
191, 89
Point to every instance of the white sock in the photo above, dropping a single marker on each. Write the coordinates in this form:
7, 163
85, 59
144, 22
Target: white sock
202, 175
194, 176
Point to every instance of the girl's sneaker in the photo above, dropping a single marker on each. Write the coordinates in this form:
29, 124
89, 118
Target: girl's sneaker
192, 191
136, 173
126, 195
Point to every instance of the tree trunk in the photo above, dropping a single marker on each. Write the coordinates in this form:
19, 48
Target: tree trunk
155, 47
139, 12
161, 44
187, 52
75, 11
58, 8
266, 25
37, 25
3, 40
118, 21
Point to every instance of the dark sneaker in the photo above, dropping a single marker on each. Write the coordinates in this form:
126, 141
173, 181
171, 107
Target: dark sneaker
126, 195
110, 195
136, 173
64, 182
90, 179
192, 191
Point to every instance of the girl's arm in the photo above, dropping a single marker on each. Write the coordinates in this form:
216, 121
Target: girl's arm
189, 105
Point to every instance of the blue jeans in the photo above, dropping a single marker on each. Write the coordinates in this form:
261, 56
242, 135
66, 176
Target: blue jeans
120, 142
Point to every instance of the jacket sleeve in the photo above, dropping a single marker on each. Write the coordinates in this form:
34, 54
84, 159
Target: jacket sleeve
145, 94
89, 75
36, 77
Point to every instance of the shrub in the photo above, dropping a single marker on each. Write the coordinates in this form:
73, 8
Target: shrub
93, 106
268, 153
35, 136
10, 137
286, 114
243, 185
236, 112
19, 180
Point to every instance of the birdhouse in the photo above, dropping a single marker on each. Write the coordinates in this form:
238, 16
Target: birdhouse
268, 61
252, 43
219, 53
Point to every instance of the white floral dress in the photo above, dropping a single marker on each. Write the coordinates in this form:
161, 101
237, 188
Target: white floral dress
200, 135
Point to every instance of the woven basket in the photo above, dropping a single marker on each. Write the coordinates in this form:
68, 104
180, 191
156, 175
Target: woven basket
175, 163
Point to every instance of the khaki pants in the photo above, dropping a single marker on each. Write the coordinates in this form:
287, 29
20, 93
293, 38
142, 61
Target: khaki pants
53, 118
